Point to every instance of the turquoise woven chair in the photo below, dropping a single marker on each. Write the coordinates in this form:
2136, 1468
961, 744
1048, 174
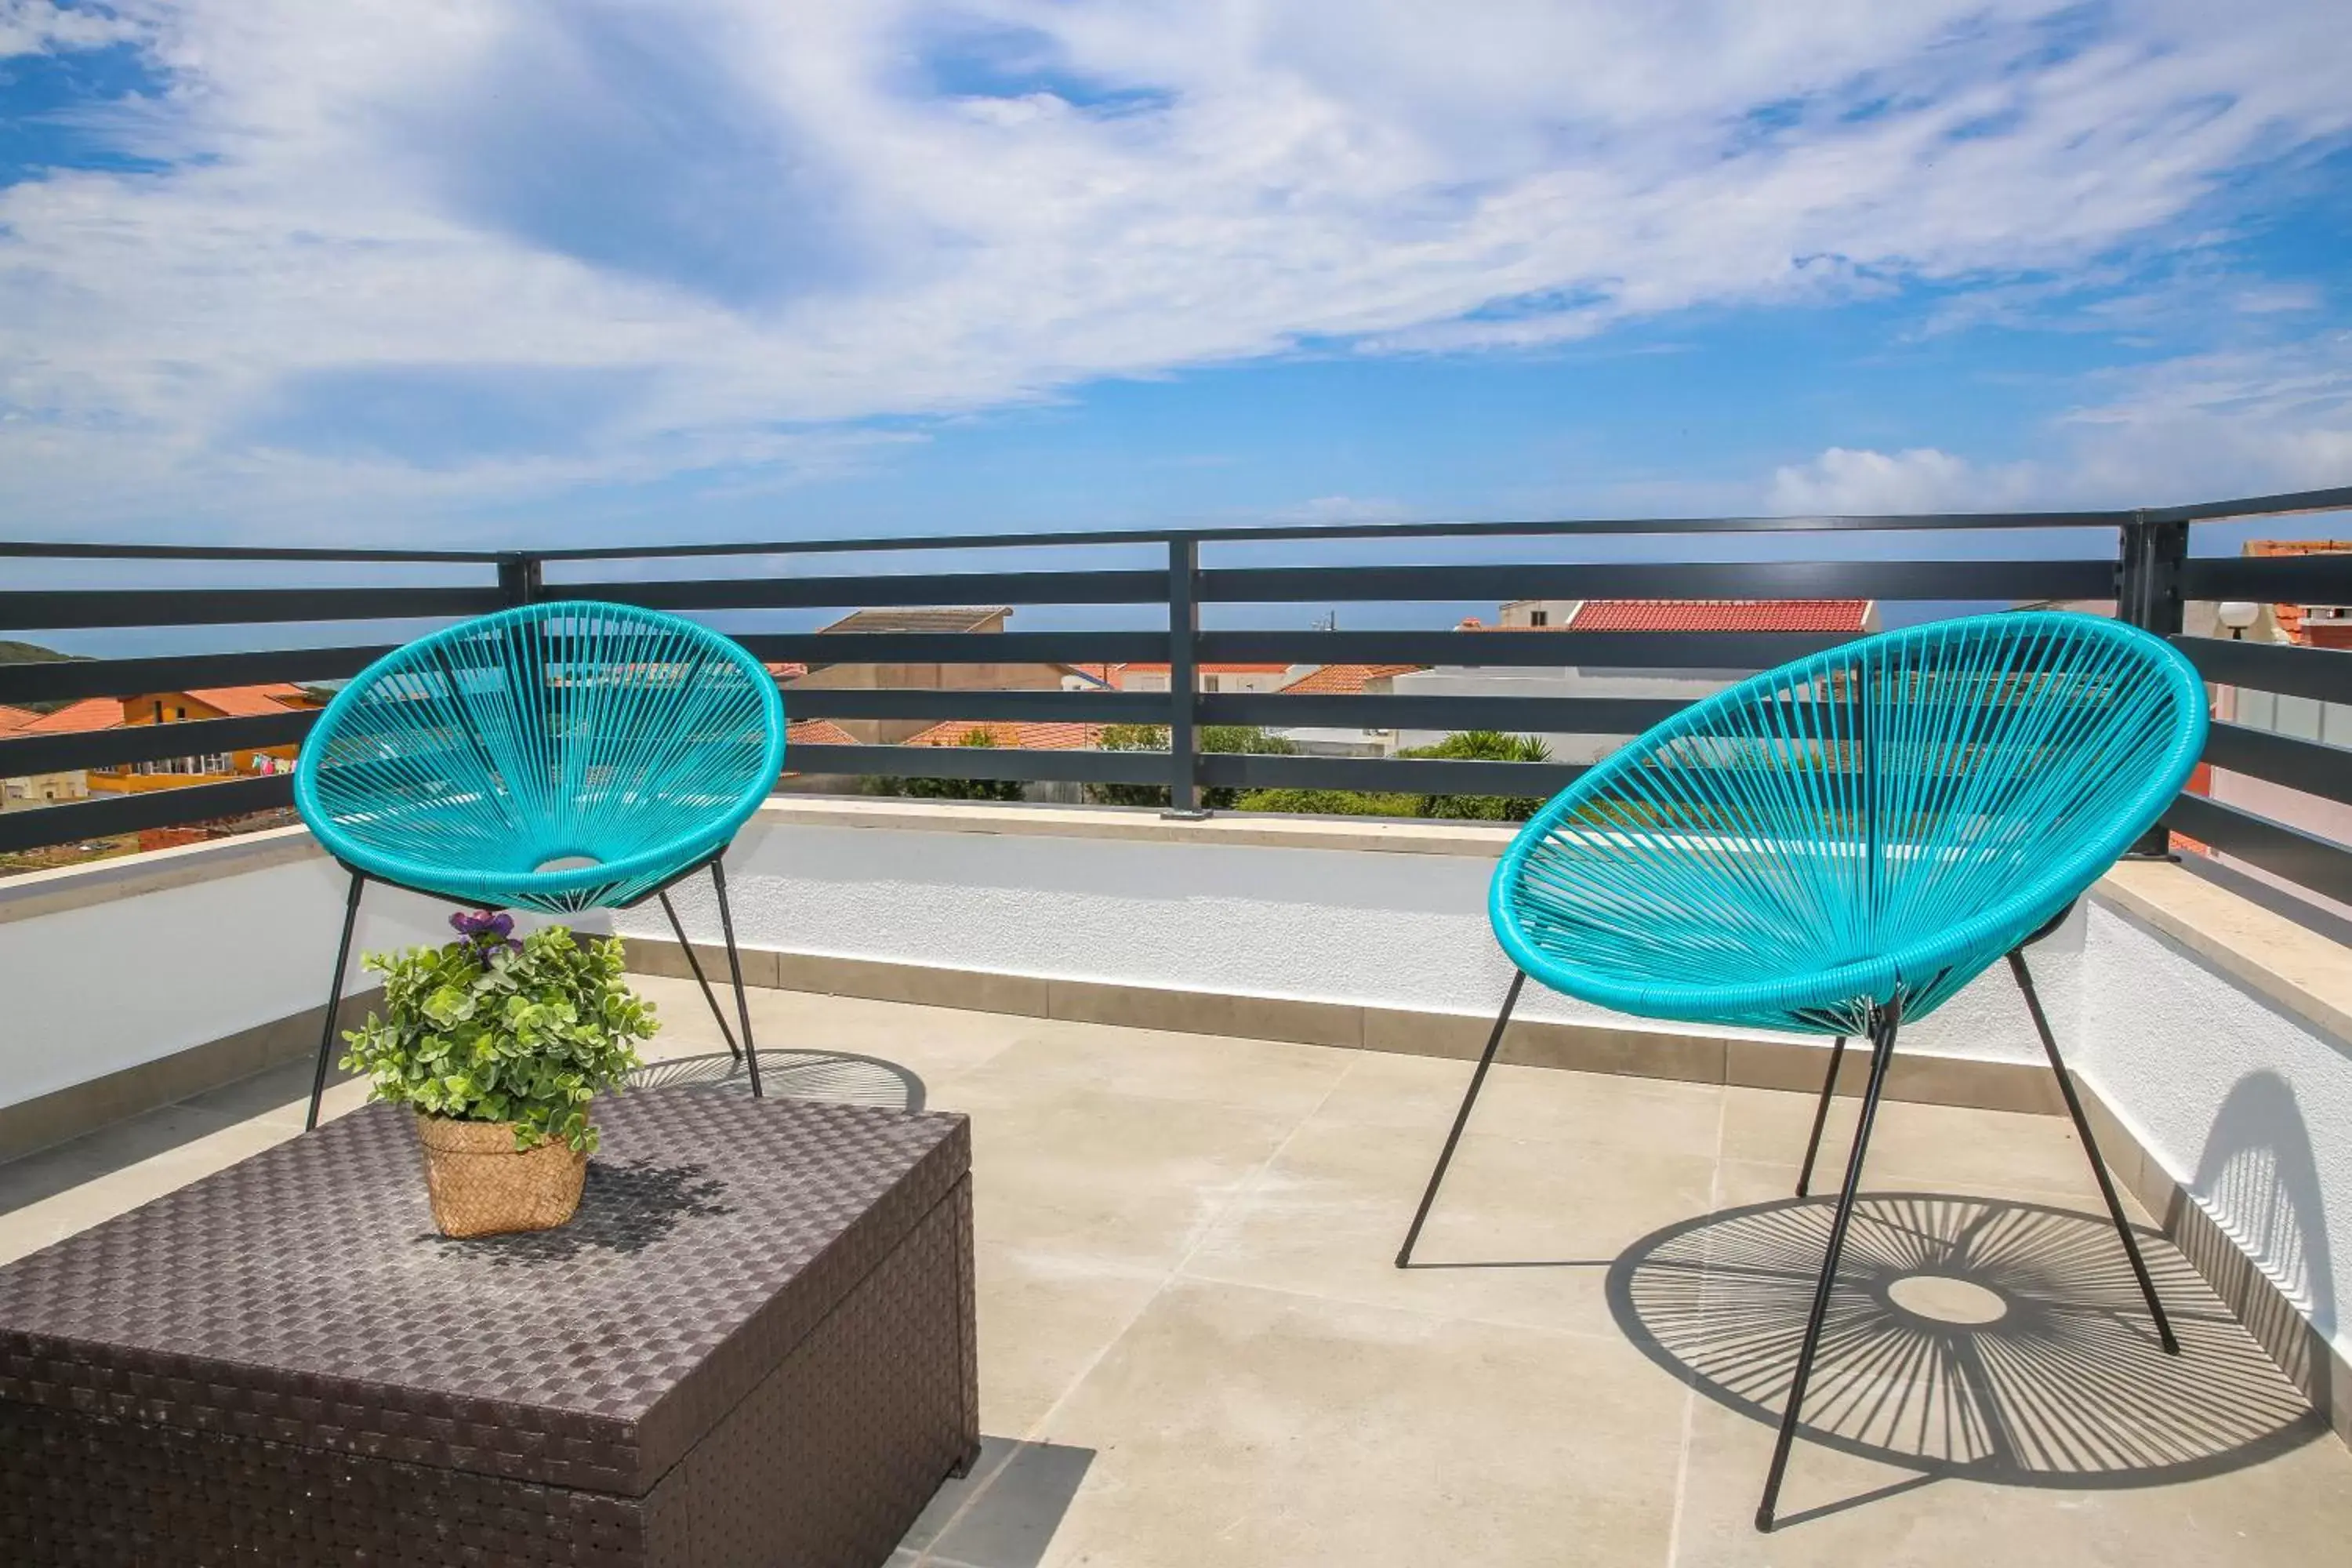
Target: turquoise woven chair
1838, 845
560, 757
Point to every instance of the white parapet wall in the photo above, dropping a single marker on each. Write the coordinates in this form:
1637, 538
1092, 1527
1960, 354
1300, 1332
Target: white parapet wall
1383, 915
119, 964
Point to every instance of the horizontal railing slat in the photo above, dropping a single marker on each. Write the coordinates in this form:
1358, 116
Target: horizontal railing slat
63, 680
1529, 649
2285, 579
2338, 499
1446, 711
1077, 707
71, 823
972, 588
981, 763
25, 755
814, 648
2321, 865
2310, 766
2007, 579
80, 608
1243, 533
2323, 673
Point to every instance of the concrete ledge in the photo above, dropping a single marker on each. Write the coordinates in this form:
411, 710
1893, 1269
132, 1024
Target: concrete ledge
35, 1124
34, 893
2296, 969
1580, 1047
1478, 839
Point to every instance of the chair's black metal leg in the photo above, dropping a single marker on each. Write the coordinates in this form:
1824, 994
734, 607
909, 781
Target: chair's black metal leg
1461, 1118
696, 965
334, 1002
1882, 1051
1821, 1117
735, 966
2090, 1147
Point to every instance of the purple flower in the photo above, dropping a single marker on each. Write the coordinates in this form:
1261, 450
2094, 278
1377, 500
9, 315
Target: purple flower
487, 931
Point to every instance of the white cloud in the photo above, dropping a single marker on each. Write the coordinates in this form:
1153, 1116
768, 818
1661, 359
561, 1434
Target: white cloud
1844, 481
2196, 427
39, 27
709, 227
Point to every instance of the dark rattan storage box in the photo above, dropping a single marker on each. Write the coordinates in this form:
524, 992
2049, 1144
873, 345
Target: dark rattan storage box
755, 1346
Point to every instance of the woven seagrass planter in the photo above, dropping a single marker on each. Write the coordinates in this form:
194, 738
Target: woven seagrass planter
480, 1186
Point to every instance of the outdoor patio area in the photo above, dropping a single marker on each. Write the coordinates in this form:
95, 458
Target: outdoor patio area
1196, 1347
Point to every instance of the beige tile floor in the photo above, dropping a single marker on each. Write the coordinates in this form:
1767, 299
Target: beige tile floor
1196, 1350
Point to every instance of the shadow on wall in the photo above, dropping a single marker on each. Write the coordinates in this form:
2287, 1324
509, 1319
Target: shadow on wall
2258, 1227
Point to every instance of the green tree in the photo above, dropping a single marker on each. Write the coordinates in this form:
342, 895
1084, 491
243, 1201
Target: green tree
1482, 746
1471, 746
955, 789
1329, 802
1227, 739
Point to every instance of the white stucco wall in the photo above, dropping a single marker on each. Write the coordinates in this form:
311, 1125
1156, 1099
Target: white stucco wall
2246, 1106
1380, 929
130, 973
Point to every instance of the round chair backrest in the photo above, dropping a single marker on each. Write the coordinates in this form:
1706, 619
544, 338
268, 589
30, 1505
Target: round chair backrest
1908, 806
558, 756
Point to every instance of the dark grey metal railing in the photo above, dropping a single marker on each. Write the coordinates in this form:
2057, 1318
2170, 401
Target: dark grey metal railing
2144, 562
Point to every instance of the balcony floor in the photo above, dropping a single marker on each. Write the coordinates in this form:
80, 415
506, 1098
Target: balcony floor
1195, 1349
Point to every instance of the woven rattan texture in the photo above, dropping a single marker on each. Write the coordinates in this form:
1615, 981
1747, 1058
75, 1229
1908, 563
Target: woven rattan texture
823, 1464
830, 1458
303, 1297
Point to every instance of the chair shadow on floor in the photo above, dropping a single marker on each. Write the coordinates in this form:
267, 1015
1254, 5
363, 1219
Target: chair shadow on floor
1003, 1514
843, 1076
1992, 1339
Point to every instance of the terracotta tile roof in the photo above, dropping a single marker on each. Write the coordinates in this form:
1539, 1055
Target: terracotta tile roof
2291, 623
81, 718
15, 719
816, 732
1346, 679
1720, 616
921, 618
250, 701
784, 673
1026, 737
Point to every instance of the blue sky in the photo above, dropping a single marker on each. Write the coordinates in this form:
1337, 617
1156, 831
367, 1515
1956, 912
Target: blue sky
520, 271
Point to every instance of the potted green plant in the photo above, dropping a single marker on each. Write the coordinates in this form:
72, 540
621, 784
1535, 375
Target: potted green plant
501, 1043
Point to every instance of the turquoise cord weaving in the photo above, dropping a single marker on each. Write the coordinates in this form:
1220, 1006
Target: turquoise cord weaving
1871, 825
561, 756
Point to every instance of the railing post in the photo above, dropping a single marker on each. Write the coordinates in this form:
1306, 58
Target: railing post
2148, 595
519, 578
1184, 674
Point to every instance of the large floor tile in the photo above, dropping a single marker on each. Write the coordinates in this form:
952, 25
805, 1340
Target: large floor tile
1045, 1315
1123, 1177
1655, 1115
2284, 1510
1269, 1077
1934, 1147
1235, 1428
1524, 1231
